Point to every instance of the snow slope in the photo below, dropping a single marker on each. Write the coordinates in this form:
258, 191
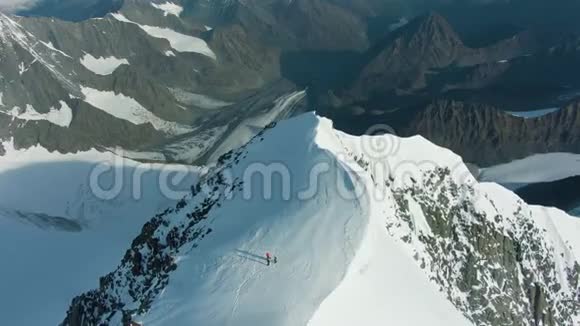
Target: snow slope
533, 169
40, 193
369, 230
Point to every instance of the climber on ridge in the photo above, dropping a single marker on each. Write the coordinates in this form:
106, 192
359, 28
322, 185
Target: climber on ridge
269, 259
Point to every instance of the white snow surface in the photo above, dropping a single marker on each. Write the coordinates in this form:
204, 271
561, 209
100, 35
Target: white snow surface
60, 117
127, 108
334, 251
251, 126
178, 41
169, 8
102, 66
48, 265
533, 169
533, 113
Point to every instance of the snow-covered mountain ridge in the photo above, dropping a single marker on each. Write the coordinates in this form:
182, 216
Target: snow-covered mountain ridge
372, 229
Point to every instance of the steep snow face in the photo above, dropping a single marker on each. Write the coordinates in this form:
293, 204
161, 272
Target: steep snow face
533, 169
366, 229
59, 234
102, 66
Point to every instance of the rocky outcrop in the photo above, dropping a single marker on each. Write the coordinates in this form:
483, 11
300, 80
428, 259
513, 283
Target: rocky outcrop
246, 63
497, 269
301, 25
319, 25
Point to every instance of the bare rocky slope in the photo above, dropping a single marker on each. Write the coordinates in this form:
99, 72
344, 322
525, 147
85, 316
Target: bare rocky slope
495, 136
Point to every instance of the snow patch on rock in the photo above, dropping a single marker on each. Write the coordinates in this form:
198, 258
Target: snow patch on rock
127, 108
102, 66
533, 113
178, 41
169, 8
60, 117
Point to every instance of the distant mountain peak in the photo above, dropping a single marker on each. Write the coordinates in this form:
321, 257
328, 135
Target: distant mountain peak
432, 30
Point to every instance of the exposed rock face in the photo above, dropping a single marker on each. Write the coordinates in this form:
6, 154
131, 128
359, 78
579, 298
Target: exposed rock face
42, 66
427, 42
43, 71
247, 63
321, 25
501, 261
406, 59
302, 25
494, 136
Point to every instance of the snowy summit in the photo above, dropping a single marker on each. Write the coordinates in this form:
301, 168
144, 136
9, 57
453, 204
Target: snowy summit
364, 230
